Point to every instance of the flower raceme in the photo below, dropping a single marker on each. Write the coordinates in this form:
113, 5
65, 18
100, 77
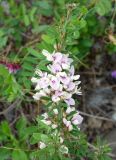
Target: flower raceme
59, 83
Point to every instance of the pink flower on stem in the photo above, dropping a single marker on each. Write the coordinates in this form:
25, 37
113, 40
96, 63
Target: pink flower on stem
54, 83
57, 96
70, 101
65, 62
63, 78
77, 119
55, 68
57, 57
68, 124
71, 86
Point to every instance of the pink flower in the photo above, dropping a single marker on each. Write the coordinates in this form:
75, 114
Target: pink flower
65, 62
55, 68
71, 71
63, 77
57, 95
54, 83
77, 119
57, 57
70, 86
43, 83
55, 98
70, 101
67, 124
12, 67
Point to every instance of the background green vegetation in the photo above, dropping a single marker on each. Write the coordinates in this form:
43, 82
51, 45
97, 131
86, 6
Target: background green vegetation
27, 27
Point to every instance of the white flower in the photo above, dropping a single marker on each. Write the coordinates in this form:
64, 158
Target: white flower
47, 55
78, 91
54, 126
66, 95
47, 90
45, 115
39, 94
42, 145
68, 124
38, 87
39, 73
70, 109
64, 149
34, 80
61, 140
76, 77
55, 111
47, 122
55, 98
54, 83
36, 96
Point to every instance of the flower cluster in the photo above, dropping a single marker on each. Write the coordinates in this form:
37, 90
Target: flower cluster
46, 119
72, 118
59, 83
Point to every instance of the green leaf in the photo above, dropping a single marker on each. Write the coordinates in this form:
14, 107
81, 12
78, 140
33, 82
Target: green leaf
44, 4
3, 41
39, 137
4, 154
32, 12
28, 66
5, 128
103, 7
3, 71
48, 39
26, 74
19, 155
21, 124
35, 53
41, 28
26, 20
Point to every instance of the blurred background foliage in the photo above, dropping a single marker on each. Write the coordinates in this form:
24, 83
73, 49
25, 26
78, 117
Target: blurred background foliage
27, 27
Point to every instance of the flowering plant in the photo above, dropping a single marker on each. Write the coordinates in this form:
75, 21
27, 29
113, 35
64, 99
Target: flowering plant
59, 84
